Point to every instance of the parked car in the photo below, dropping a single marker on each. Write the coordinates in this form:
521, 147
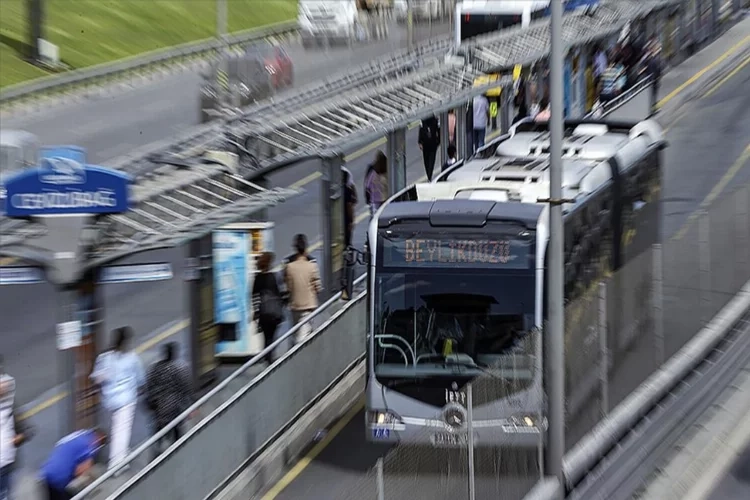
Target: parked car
252, 75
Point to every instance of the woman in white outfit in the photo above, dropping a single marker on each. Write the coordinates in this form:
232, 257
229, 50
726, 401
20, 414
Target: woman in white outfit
120, 374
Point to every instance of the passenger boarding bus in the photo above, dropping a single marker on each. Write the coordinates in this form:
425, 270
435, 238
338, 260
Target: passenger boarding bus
457, 278
480, 17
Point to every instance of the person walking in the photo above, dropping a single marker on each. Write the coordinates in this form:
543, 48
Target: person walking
13, 433
612, 82
302, 280
169, 392
481, 114
267, 301
429, 141
350, 205
376, 183
72, 457
120, 375
452, 127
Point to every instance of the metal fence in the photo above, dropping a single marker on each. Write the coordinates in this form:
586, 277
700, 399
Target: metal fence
136, 67
426, 472
252, 377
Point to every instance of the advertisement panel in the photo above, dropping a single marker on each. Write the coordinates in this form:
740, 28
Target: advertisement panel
230, 251
236, 250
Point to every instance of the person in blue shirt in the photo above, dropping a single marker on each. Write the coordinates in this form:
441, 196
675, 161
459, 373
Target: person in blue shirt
72, 457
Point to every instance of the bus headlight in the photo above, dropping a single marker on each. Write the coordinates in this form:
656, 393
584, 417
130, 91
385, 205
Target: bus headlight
375, 417
525, 424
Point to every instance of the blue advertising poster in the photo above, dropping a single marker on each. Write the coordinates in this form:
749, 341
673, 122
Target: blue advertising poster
63, 186
75, 153
231, 289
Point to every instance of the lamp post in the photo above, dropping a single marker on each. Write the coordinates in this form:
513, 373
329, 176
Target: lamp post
555, 343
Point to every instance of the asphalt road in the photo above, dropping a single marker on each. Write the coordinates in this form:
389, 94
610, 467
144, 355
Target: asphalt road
708, 140
111, 127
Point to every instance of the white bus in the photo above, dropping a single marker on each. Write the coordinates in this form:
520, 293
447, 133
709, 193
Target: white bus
457, 278
480, 17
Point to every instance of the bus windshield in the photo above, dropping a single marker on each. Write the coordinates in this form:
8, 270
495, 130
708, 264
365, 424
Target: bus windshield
439, 309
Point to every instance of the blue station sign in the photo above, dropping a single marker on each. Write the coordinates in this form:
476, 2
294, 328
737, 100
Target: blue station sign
64, 186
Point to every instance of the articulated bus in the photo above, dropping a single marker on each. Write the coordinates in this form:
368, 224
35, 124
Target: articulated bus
457, 277
480, 17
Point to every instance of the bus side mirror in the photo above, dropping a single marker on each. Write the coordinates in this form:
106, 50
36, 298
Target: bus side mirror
352, 258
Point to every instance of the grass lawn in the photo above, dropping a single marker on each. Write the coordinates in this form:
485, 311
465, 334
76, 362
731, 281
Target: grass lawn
91, 32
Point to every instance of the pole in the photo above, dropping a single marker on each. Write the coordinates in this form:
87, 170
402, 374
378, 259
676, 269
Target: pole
410, 24
380, 481
555, 340
470, 427
221, 20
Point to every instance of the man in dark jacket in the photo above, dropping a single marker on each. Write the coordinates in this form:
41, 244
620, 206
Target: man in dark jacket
429, 141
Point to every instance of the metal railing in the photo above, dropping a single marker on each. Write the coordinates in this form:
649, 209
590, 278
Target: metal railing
111, 72
256, 415
100, 484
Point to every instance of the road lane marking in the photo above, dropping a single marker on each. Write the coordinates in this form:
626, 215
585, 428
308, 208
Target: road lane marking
153, 341
685, 110
727, 78
316, 450
702, 72
715, 192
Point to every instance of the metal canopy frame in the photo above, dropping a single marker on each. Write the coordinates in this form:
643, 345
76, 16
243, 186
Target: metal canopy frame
178, 196
213, 135
171, 206
526, 46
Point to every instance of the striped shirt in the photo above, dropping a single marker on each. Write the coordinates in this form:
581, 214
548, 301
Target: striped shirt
613, 79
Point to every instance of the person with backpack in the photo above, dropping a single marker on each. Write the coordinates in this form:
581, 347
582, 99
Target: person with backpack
169, 392
267, 300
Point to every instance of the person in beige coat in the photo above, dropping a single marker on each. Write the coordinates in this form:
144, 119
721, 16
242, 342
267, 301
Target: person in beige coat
302, 280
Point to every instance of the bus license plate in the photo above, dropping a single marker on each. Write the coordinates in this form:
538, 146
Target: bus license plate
381, 433
450, 439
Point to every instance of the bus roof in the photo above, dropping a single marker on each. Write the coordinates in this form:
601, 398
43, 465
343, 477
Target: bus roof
583, 140
468, 213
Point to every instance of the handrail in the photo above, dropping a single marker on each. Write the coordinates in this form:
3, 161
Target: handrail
188, 49
153, 440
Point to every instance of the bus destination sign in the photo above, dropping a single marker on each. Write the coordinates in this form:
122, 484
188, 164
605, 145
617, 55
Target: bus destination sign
449, 252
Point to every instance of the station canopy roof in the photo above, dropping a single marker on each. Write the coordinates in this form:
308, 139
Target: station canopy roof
184, 188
